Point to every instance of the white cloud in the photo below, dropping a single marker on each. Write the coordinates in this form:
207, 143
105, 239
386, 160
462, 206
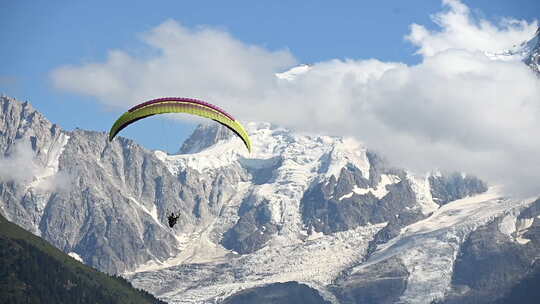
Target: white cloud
461, 30
22, 167
19, 166
456, 110
204, 63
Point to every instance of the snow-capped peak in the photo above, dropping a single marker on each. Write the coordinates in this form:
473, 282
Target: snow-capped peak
293, 161
269, 141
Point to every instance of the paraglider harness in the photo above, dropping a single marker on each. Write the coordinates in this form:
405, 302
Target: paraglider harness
172, 219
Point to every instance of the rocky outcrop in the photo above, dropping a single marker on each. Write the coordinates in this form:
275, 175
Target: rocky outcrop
352, 200
496, 258
253, 229
450, 187
381, 283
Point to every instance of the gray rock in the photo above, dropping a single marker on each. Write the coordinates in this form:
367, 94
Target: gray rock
252, 231
450, 187
526, 291
381, 283
490, 263
325, 209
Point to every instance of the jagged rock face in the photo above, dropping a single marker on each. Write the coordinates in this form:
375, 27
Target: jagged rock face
21, 121
29, 145
111, 208
334, 206
113, 211
451, 187
253, 229
496, 257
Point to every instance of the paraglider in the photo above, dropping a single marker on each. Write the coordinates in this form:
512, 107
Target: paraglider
180, 105
172, 219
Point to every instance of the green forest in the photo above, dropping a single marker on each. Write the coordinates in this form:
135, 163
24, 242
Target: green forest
33, 271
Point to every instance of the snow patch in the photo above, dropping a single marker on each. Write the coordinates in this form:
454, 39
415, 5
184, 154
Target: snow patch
522, 241
422, 189
516, 228
152, 213
522, 226
223, 154
44, 179
76, 256
380, 191
508, 225
345, 151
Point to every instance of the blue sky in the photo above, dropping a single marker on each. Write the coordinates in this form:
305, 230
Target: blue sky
426, 95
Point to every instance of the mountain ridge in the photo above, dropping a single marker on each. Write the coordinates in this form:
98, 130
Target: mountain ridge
240, 213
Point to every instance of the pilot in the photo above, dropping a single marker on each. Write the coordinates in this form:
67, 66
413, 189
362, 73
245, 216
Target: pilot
172, 219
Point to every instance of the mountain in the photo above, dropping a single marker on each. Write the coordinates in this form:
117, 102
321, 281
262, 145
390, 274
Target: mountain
32, 271
323, 215
249, 221
82, 194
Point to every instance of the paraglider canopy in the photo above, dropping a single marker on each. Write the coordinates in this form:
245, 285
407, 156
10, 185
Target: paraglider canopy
180, 105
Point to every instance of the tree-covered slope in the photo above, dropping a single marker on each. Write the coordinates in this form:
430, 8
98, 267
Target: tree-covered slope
282, 293
33, 271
